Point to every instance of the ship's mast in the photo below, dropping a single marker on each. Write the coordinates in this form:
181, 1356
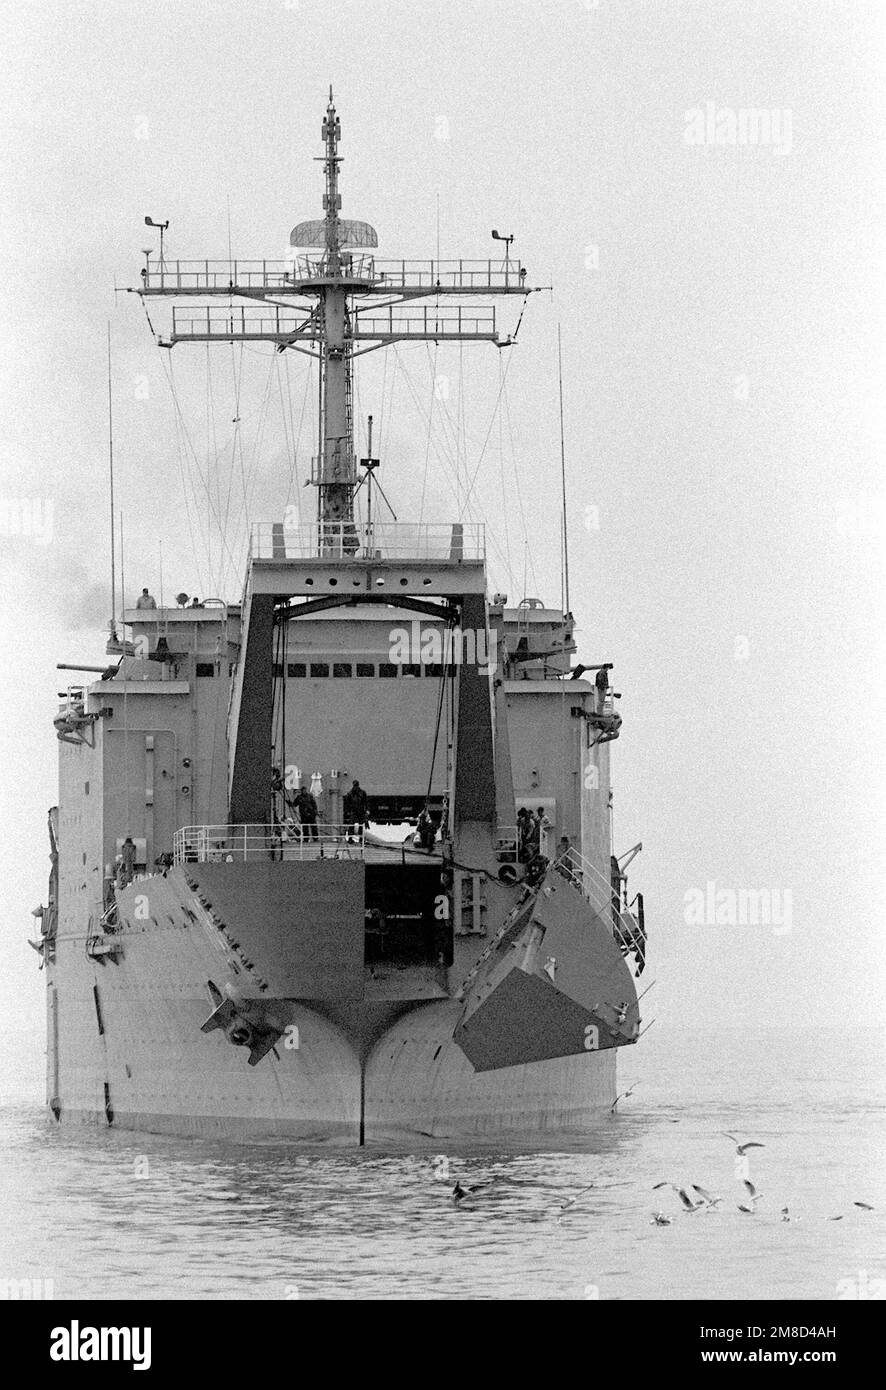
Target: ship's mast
337, 468
333, 305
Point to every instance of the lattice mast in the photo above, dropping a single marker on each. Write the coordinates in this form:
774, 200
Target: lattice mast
338, 472
351, 304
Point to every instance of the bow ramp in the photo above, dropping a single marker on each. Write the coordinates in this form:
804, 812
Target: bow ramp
554, 982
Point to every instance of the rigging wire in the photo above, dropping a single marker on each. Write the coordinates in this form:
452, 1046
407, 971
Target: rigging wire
294, 473
181, 457
445, 676
527, 549
247, 475
191, 454
441, 453
382, 415
488, 432
424, 481
238, 437
445, 457
440, 700
211, 435
501, 469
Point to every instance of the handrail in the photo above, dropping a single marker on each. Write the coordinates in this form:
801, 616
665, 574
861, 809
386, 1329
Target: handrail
356, 540
220, 276
573, 865
227, 844
279, 321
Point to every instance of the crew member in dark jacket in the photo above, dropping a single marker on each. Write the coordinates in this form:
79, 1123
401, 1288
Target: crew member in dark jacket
356, 808
306, 806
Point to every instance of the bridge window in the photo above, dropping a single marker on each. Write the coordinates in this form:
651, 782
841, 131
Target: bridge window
341, 668
365, 668
411, 670
387, 670
319, 668
296, 668
205, 668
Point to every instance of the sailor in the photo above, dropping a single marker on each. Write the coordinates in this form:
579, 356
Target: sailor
277, 794
529, 835
564, 864
521, 833
356, 808
145, 600
544, 832
127, 861
427, 830
306, 806
615, 883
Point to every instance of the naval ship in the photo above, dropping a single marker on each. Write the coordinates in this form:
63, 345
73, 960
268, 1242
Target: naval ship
332, 863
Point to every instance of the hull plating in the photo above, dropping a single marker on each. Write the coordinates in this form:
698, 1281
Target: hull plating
130, 1052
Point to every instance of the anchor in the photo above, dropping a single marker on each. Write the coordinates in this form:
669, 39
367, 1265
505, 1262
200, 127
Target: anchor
245, 1022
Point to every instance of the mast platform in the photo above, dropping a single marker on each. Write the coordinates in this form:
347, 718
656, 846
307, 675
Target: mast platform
277, 324
387, 560
305, 273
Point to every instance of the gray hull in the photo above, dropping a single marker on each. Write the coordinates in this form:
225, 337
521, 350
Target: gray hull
126, 1049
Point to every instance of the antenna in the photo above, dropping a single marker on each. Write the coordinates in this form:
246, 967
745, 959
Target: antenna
370, 464
361, 305
122, 583
564, 585
161, 228
111, 473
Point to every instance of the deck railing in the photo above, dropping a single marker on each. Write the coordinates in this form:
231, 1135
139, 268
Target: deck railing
232, 844
356, 540
594, 886
221, 276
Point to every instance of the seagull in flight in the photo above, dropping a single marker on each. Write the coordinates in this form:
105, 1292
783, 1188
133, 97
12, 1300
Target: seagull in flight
688, 1203
571, 1201
659, 1219
625, 1095
753, 1198
742, 1149
459, 1193
706, 1197
865, 1206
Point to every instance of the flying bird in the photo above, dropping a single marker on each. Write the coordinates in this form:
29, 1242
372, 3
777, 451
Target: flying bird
459, 1193
865, 1206
686, 1200
571, 1201
742, 1149
706, 1196
659, 1219
625, 1095
753, 1198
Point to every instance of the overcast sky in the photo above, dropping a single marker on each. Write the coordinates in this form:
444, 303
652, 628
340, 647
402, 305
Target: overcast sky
721, 311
